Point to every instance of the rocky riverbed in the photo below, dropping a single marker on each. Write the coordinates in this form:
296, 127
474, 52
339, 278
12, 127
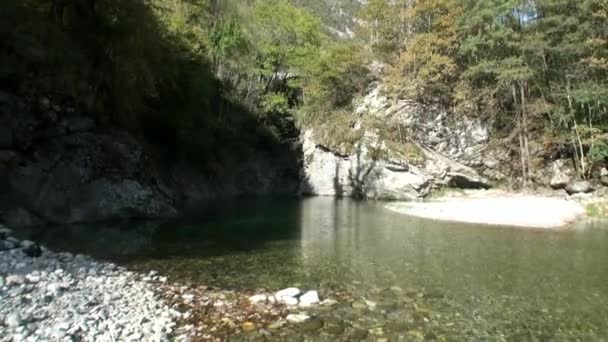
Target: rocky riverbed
48, 296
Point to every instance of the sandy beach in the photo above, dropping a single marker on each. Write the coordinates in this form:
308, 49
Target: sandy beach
507, 210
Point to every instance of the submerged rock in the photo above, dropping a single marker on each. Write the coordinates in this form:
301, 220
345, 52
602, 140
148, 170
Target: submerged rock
248, 327
297, 318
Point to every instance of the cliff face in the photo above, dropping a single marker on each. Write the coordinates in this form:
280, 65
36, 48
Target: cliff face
428, 149
59, 167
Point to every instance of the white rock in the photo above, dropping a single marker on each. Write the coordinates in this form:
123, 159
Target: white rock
13, 320
288, 292
297, 318
309, 298
289, 300
329, 302
257, 298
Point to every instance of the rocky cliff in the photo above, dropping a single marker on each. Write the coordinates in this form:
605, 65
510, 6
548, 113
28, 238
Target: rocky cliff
60, 167
430, 149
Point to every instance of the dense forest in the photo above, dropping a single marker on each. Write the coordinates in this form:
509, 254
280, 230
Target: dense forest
193, 75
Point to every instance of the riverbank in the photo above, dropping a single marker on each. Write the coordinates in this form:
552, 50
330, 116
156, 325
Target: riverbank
60, 296
497, 208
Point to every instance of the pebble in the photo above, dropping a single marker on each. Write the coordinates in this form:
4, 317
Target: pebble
297, 318
47, 296
259, 298
13, 320
248, 327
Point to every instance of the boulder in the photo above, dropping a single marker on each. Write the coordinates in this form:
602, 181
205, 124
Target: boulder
578, 187
6, 245
290, 292
603, 176
561, 174
5, 232
31, 248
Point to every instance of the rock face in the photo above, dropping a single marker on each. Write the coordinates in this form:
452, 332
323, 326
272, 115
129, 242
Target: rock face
442, 150
329, 174
59, 167
82, 177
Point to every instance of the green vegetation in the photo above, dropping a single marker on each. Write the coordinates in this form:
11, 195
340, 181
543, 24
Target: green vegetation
537, 69
597, 210
195, 75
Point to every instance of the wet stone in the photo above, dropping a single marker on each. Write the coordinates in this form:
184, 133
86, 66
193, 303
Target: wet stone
359, 335
248, 327
312, 325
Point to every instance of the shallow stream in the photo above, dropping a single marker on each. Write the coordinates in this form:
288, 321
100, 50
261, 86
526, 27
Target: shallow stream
422, 279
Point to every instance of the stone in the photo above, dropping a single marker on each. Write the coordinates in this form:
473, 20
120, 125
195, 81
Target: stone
277, 325
288, 300
311, 325
559, 180
13, 320
359, 335
604, 180
5, 232
578, 187
6, 245
359, 305
288, 292
561, 174
297, 318
248, 327
309, 298
370, 304
15, 280
31, 248
329, 302
259, 298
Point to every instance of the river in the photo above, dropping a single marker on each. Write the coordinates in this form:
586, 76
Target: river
424, 279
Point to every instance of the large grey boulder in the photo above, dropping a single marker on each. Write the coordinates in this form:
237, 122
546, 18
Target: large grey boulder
561, 174
578, 187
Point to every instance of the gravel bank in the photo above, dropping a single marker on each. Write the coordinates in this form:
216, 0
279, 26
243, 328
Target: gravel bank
65, 297
509, 210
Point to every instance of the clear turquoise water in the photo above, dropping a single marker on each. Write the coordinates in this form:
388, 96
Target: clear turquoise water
478, 282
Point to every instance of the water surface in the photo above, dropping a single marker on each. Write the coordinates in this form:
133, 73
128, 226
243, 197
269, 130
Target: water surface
472, 281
